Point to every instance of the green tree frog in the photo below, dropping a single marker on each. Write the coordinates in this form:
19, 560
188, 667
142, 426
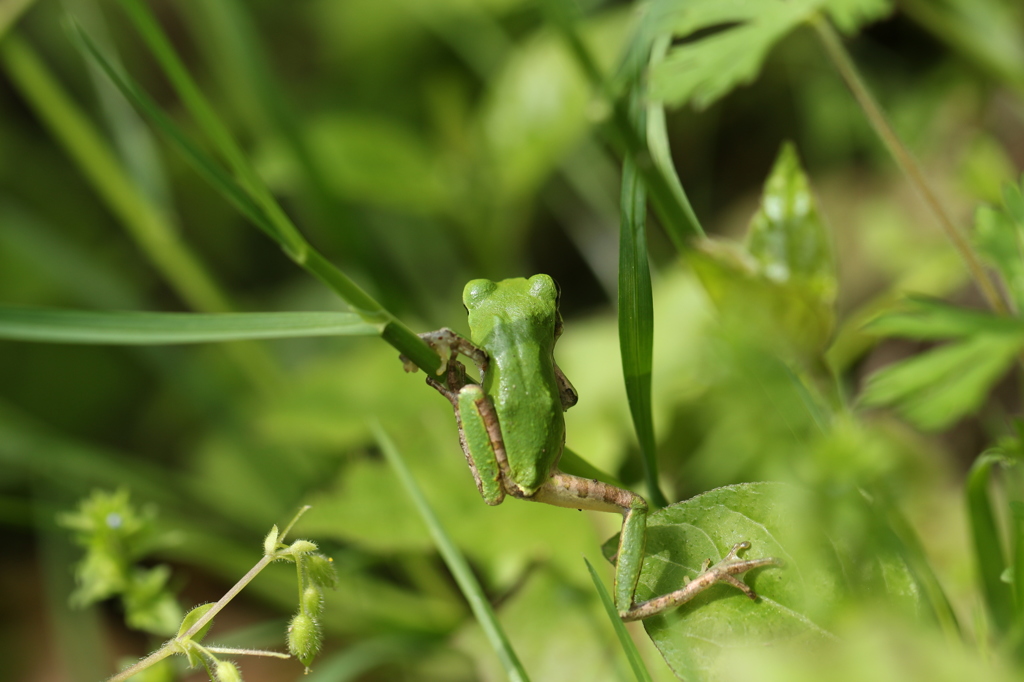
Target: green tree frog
512, 429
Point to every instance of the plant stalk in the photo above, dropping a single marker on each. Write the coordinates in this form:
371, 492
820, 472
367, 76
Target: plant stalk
905, 160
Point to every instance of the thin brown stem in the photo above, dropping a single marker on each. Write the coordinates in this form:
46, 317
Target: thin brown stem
905, 160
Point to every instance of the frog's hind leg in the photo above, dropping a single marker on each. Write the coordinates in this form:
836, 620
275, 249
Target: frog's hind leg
480, 437
575, 492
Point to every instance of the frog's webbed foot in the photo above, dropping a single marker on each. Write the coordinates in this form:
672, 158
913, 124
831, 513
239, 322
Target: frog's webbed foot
725, 571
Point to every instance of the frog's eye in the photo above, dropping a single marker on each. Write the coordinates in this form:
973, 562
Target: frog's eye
476, 291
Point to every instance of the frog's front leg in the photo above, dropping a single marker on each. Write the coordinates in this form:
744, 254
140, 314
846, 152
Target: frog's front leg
565, 490
448, 343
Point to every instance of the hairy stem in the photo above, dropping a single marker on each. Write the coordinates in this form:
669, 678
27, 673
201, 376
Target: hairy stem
905, 160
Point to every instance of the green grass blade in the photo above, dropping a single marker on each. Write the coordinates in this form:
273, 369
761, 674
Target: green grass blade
87, 148
208, 120
636, 317
1017, 524
135, 328
678, 220
209, 169
657, 140
394, 332
628, 646
988, 547
909, 545
455, 561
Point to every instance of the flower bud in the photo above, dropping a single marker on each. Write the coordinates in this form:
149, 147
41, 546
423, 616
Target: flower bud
321, 571
312, 601
304, 638
226, 671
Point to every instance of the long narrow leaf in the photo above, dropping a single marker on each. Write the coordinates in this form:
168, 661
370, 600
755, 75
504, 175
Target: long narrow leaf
135, 328
393, 332
161, 47
988, 547
455, 561
628, 646
678, 220
98, 163
636, 315
209, 169
1017, 516
909, 545
924, 318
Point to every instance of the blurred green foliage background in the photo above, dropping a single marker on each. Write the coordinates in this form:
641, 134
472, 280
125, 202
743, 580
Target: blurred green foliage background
420, 145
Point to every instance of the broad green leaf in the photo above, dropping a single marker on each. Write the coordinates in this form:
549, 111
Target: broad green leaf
738, 37
935, 389
134, 328
795, 602
704, 70
786, 316
924, 318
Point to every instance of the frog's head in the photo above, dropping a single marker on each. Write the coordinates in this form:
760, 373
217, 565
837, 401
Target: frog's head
534, 299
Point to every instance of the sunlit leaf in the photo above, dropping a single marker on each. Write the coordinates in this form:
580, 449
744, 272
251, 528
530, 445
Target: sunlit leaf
730, 40
698, 638
782, 285
191, 618
924, 318
935, 389
787, 235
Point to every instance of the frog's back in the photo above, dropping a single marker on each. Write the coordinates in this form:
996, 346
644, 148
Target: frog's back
517, 328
